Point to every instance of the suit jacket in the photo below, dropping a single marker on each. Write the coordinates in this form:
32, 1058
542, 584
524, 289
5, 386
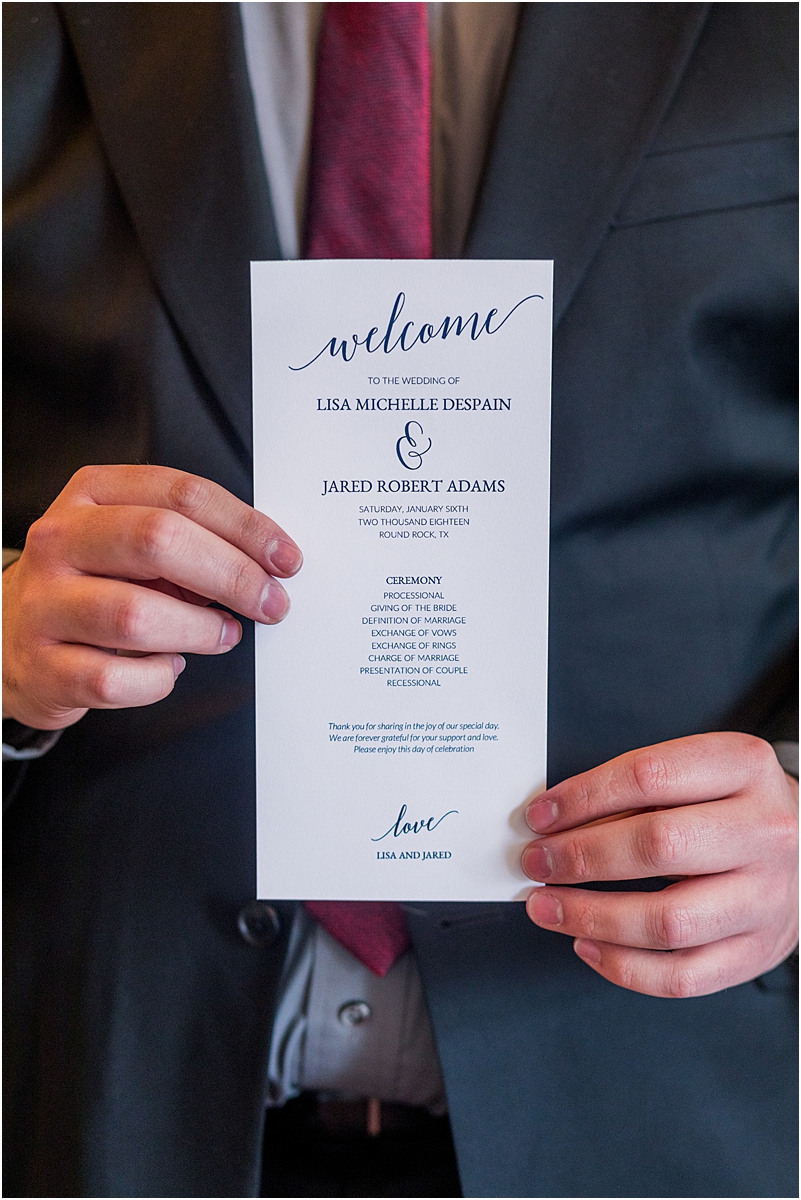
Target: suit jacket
648, 149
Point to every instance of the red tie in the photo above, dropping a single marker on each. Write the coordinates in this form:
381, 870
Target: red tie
370, 197
369, 172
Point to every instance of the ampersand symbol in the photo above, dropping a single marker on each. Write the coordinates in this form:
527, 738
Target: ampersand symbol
406, 447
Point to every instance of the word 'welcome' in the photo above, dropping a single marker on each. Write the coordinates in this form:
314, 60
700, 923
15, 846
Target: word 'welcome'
375, 340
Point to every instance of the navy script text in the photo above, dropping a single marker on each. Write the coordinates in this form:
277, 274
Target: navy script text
399, 827
376, 340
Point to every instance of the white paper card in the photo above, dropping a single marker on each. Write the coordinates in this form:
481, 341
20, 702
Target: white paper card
401, 414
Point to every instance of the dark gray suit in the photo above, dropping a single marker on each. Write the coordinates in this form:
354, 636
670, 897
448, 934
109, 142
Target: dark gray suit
648, 149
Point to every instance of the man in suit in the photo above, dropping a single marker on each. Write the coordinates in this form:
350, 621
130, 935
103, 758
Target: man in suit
140, 1018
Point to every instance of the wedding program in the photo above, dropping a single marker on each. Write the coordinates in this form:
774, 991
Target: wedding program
401, 415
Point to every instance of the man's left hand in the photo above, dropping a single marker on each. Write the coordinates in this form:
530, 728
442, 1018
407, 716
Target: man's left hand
714, 811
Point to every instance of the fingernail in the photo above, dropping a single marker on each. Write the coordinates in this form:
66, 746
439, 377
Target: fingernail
285, 557
178, 664
545, 909
587, 950
538, 861
540, 815
274, 602
231, 633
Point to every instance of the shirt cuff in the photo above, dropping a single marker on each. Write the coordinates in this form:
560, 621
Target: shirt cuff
21, 743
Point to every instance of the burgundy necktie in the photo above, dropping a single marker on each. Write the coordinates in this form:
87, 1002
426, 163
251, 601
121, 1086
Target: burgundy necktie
369, 173
370, 197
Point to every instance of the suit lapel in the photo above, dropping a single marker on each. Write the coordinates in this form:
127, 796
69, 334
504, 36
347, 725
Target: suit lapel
588, 85
169, 91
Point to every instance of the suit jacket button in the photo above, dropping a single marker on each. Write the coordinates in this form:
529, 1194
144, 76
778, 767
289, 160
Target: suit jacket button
259, 924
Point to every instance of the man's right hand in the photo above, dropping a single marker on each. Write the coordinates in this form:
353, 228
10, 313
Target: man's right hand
127, 559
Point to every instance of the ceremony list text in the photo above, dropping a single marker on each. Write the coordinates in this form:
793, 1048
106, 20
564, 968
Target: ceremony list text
401, 417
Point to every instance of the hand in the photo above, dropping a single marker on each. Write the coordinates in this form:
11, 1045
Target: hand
113, 586
717, 811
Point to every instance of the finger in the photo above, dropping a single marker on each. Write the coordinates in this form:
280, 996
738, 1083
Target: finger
172, 589
684, 771
199, 500
703, 839
682, 973
149, 543
85, 677
123, 616
694, 912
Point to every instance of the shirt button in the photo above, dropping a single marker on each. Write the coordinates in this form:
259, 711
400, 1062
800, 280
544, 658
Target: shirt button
355, 1012
259, 924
